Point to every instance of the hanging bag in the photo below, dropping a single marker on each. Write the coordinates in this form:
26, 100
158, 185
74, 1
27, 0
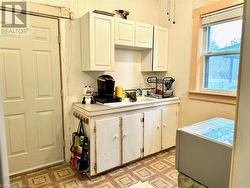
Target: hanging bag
80, 149
76, 136
84, 164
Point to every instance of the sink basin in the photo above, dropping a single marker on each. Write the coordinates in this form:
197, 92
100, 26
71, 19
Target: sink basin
140, 100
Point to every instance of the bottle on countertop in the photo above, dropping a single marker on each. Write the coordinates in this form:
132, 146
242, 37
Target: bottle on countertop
119, 92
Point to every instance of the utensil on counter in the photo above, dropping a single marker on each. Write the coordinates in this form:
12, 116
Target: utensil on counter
132, 96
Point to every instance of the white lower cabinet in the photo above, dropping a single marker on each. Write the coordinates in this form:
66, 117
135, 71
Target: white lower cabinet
131, 137
108, 144
152, 131
120, 138
169, 125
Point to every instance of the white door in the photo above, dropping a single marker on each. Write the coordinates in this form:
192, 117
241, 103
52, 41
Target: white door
152, 132
30, 80
144, 35
169, 125
132, 137
125, 32
160, 58
108, 144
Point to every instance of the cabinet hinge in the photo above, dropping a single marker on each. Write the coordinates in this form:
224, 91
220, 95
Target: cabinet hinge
94, 129
142, 119
95, 167
142, 150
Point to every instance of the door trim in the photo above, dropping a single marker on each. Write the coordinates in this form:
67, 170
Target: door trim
43, 10
39, 167
49, 16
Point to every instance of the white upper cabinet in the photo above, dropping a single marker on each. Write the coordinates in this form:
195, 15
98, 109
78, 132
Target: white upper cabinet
157, 59
144, 35
125, 32
160, 57
133, 34
97, 42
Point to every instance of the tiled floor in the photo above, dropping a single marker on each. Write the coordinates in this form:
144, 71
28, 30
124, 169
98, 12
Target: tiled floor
158, 170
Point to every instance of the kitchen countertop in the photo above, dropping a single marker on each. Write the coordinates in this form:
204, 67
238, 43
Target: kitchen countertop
102, 109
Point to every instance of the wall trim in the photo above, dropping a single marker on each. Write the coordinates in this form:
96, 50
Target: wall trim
42, 10
196, 63
213, 97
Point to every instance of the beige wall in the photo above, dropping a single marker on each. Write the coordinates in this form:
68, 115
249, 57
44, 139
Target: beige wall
241, 158
127, 63
127, 71
191, 111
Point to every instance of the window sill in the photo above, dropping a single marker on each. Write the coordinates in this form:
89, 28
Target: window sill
213, 97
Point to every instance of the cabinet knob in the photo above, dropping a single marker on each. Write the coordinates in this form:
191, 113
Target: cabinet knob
158, 127
116, 137
125, 134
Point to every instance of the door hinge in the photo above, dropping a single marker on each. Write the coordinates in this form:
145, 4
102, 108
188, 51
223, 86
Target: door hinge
59, 39
95, 167
64, 143
142, 150
142, 119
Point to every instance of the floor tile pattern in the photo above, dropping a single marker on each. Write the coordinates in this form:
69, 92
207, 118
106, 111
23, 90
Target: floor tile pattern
158, 170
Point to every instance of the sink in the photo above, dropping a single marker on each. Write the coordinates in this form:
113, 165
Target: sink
126, 102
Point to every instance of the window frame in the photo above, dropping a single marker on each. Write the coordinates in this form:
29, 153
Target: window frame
196, 89
206, 54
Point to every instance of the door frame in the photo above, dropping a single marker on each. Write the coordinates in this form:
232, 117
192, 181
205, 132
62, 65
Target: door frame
57, 13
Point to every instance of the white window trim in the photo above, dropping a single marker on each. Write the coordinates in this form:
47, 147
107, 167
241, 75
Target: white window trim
205, 54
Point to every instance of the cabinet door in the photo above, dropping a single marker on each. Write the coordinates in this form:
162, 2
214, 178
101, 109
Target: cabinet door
152, 132
101, 42
132, 137
144, 35
169, 125
108, 144
160, 57
125, 32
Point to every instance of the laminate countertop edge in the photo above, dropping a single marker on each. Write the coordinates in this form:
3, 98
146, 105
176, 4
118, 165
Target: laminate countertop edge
100, 109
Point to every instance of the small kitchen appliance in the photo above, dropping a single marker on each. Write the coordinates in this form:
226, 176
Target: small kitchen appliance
163, 87
106, 85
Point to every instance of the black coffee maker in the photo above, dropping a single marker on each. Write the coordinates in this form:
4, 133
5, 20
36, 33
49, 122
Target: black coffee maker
106, 86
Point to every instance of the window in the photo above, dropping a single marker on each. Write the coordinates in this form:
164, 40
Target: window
221, 55
216, 41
